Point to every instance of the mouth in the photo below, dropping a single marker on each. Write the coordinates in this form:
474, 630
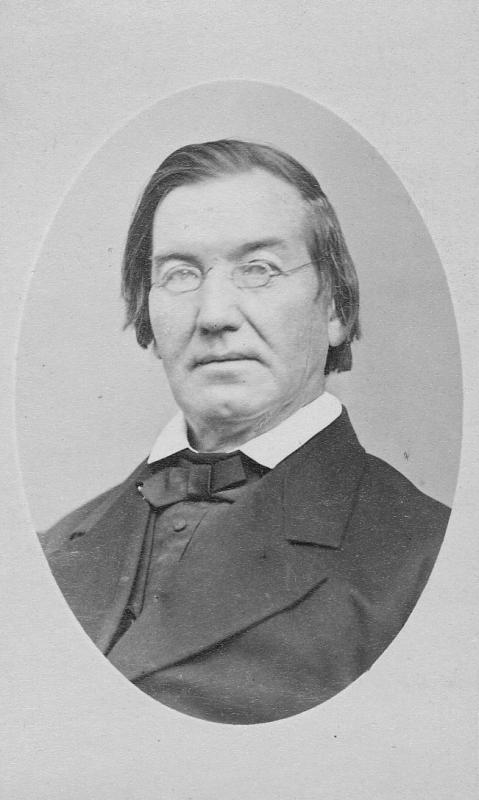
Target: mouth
224, 358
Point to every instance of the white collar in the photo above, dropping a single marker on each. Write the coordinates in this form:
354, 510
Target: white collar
269, 448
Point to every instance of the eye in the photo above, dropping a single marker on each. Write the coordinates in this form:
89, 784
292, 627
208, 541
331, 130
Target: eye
181, 278
261, 268
257, 273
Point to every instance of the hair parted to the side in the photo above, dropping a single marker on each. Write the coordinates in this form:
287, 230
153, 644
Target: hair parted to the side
195, 163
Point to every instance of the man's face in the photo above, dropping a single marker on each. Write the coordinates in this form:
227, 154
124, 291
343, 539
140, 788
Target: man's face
245, 357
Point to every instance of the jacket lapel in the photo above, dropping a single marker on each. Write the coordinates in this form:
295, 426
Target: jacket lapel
320, 491
277, 546
97, 566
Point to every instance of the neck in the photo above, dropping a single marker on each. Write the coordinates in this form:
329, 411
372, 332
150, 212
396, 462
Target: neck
224, 435
208, 440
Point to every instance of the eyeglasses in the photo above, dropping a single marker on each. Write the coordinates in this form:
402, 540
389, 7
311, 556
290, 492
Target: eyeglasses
255, 275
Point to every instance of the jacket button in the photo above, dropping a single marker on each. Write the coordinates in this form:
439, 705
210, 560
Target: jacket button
179, 524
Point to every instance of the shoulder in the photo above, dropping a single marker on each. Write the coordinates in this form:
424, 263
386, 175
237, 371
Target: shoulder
383, 480
393, 505
85, 515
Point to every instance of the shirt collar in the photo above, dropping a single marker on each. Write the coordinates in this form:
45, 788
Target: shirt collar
267, 449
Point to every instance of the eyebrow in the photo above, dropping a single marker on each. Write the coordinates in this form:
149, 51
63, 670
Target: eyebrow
238, 252
160, 259
261, 244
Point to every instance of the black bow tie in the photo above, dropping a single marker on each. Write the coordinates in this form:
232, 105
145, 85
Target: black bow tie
196, 478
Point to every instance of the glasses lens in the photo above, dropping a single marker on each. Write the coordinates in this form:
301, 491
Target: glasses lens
250, 276
182, 279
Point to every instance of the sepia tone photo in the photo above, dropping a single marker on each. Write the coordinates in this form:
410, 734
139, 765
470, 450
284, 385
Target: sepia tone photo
378, 103
262, 553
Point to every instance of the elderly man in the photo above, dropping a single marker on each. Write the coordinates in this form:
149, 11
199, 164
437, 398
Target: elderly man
259, 560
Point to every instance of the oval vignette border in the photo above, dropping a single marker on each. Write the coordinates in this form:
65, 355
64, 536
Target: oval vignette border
79, 415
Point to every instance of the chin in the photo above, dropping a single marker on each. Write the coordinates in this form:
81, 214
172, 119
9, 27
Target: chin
217, 405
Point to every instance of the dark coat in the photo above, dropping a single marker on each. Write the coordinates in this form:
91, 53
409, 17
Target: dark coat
312, 579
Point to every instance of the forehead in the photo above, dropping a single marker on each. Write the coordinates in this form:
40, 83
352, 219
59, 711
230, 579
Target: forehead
229, 210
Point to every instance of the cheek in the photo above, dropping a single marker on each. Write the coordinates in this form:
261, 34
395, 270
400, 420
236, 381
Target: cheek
301, 337
170, 331
295, 323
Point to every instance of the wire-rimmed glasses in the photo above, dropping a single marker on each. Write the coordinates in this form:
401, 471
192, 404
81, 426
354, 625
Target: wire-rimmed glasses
185, 278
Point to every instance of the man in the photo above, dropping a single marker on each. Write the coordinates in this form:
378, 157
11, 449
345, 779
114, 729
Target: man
259, 560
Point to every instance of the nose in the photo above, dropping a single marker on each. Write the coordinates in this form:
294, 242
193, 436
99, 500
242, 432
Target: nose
218, 304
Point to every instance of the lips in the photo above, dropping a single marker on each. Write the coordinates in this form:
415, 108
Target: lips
212, 358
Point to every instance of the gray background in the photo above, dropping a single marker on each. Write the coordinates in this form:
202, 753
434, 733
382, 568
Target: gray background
90, 403
403, 74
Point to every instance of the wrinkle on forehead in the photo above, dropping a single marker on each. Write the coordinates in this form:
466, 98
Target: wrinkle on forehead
247, 207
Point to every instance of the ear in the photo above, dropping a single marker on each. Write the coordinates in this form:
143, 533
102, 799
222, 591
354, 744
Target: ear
337, 331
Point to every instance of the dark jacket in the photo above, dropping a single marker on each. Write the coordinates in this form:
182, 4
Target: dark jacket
312, 579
